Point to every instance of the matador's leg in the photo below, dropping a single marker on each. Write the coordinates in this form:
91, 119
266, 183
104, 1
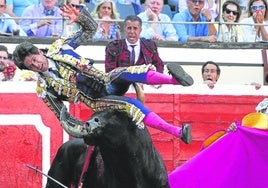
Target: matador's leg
147, 75
138, 112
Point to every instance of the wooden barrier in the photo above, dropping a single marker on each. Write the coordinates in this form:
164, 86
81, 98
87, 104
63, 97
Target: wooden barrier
31, 134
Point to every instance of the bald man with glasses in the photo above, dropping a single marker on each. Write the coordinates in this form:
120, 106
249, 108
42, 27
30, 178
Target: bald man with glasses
195, 32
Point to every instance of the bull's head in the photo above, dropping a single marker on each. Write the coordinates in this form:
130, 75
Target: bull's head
79, 129
104, 125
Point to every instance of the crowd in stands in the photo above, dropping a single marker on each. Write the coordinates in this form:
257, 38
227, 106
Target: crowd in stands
213, 21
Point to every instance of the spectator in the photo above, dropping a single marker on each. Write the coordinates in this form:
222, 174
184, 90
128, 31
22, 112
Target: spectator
118, 52
210, 73
66, 76
195, 32
229, 32
7, 66
106, 10
45, 27
258, 14
10, 70
16, 7
155, 30
3, 58
8, 25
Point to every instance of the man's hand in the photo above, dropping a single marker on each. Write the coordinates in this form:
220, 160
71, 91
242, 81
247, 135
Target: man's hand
258, 17
158, 37
207, 14
210, 38
151, 15
209, 83
44, 22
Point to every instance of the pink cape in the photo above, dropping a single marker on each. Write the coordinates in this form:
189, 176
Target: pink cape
238, 159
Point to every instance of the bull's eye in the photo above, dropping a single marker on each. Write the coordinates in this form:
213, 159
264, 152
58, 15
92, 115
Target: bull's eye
96, 120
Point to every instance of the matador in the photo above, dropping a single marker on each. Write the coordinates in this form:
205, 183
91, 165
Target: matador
63, 75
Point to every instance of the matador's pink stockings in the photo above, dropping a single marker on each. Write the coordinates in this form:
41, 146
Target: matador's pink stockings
154, 121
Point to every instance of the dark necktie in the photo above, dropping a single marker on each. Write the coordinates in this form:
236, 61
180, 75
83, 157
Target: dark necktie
132, 55
49, 12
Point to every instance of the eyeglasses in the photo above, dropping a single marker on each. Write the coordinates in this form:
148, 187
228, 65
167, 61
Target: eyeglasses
257, 7
1, 57
228, 11
2, 6
76, 6
197, 1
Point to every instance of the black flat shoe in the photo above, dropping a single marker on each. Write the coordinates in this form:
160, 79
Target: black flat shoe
179, 74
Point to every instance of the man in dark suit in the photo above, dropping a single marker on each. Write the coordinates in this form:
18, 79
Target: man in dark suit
118, 52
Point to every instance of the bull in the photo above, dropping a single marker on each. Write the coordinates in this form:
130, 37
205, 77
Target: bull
122, 156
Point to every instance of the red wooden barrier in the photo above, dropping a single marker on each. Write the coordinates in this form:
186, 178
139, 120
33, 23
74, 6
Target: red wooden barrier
31, 134
205, 113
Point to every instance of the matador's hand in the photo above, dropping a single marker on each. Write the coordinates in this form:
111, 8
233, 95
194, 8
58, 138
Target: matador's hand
71, 12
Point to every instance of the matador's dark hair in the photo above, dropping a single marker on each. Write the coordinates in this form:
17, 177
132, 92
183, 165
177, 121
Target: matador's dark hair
21, 51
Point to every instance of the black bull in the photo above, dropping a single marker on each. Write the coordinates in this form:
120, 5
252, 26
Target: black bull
124, 156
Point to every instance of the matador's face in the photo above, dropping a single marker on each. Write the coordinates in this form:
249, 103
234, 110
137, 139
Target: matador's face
36, 62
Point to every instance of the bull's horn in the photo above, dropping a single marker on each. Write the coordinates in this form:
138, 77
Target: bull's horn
72, 126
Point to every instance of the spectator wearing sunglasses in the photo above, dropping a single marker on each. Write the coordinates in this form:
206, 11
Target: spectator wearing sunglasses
229, 32
204, 32
257, 12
